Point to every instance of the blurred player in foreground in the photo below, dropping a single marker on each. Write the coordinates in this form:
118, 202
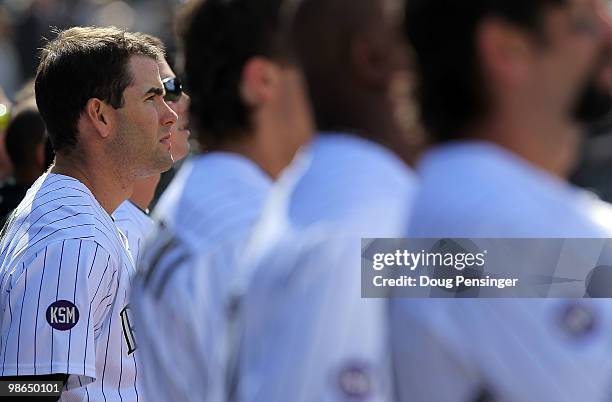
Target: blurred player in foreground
132, 215
64, 266
505, 87
307, 334
249, 109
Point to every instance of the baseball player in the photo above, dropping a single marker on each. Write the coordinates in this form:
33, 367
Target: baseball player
132, 216
64, 266
306, 333
499, 170
250, 112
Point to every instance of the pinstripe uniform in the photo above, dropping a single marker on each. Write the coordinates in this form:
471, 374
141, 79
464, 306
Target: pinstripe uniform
134, 223
511, 350
64, 277
180, 295
308, 335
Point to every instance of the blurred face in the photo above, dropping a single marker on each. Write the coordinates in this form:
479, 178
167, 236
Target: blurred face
595, 101
180, 131
141, 143
569, 70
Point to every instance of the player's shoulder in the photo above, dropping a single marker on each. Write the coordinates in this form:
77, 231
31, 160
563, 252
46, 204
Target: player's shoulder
297, 257
56, 208
596, 213
212, 179
213, 193
53, 192
165, 254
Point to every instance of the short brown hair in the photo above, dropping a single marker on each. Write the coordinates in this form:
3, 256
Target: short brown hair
153, 40
80, 64
221, 36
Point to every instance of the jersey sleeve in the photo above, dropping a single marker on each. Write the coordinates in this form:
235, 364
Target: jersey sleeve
56, 303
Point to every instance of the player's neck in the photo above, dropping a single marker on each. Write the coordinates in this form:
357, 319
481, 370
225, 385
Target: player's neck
107, 189
251, 148
372, 116
533, 141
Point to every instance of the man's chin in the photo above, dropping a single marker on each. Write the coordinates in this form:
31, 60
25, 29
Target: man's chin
180, 152
163, 163
168, 162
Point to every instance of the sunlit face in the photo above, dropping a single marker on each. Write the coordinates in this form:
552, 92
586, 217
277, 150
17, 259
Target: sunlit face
180, 131
142, 140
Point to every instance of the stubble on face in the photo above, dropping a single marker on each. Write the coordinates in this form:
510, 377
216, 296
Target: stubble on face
136, 147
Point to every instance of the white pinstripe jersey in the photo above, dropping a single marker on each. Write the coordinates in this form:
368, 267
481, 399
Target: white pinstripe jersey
180, 295
308, 335
64, 277
135, 224
458, 350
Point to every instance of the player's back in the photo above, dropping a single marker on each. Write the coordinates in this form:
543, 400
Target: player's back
339, 180
214, 196
347, 180
181, 291
64, 276
476, 189
305, 324
512, 350
55, 207
212, 203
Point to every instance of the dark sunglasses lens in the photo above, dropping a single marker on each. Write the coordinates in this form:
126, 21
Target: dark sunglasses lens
174, 89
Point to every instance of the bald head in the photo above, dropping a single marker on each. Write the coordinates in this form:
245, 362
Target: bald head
325, 29
345, 49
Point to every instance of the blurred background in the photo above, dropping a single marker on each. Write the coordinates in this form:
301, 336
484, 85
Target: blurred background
24, 24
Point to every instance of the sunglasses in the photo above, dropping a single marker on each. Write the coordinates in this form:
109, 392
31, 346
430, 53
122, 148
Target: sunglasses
174, 89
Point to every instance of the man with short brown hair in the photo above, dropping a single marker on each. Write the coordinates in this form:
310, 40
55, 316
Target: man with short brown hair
64, 266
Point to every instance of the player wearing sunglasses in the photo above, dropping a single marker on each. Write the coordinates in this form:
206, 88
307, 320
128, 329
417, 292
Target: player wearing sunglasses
132, 216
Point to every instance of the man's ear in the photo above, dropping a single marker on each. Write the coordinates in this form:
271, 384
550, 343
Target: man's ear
259, 81
99, 115
504, 51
